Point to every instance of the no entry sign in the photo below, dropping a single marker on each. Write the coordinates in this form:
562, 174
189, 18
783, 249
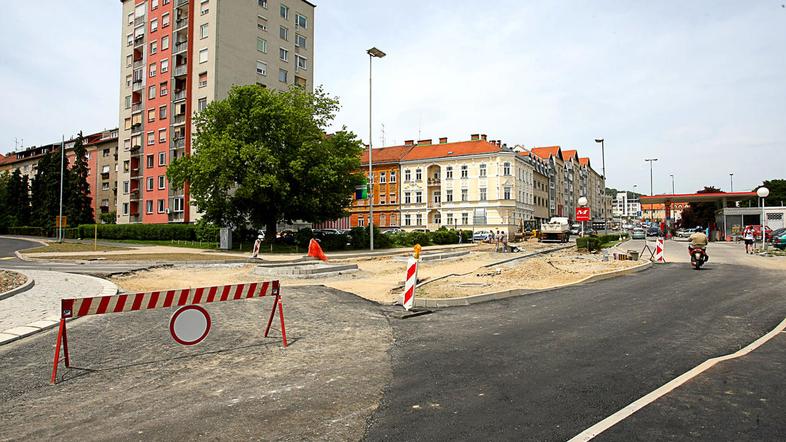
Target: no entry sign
582, 214
189, 325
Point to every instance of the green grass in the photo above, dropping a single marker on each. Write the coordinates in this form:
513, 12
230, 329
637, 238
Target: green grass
71, 247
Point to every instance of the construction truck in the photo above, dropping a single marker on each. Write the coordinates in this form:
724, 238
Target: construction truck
557, 229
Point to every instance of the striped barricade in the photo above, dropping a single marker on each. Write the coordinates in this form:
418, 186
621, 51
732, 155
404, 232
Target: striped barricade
131, 302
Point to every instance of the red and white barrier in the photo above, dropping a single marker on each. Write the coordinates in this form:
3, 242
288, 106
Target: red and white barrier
409, 284
659, 251
131, 302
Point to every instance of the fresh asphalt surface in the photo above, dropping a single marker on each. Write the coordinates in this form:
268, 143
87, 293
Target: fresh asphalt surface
547, 366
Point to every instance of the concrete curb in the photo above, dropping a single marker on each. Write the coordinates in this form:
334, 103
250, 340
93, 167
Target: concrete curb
16, 333
22, 288
485, 297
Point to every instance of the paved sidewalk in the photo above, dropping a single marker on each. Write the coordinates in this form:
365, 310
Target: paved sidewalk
38, 308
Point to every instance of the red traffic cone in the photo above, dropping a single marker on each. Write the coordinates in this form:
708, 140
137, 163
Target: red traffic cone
315, 251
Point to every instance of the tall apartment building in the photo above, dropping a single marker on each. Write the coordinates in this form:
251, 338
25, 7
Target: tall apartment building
176, 57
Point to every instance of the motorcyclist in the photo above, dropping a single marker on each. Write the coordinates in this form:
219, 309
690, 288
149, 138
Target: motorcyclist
698, 240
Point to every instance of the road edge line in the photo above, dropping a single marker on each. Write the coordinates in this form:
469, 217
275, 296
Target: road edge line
670, 386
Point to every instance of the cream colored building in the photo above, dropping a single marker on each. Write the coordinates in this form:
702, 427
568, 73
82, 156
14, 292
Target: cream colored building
476, 184
176, 57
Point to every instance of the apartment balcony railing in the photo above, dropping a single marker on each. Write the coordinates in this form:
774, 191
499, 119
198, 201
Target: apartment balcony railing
139, 40
136, 129
435, 204
181, 23
181, 3
176, 217
136, 173
135, 195
136, 107
139, 21
434, 182
181, 70
178, 119
178, 143
178, 96
180, 47
139, 63
137, 86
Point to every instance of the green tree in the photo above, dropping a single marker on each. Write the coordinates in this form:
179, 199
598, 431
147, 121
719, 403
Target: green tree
45, 190
262, 157
17, 199
79, 210
700, 214
777, 190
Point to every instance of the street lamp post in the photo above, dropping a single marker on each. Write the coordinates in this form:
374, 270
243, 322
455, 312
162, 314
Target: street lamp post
652, 208
602, 142
731, 182
672, 184
372, 53
763, 193
582, 203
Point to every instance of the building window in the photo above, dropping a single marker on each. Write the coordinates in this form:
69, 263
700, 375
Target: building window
203, 79
382, 177
418, 220
407, 220
482, 170
151, 92
160, 206
204, 8
154, 25
506, 169
161, 157
164, 42
283, 33
418, 197
418, 175
465, 218
483, 194
162, 112
105, 153
464, 171
300, 41
161, 182
201, 104
149, 161
449, 196
301, 21
164, 89
262, 3
506, 193
301, 62
165, 20
151, 115
153, 4
153, 70
153, 47
149, 183
151, 138
284, 11
149, 206
203, 55
450, 219
449, 173
282, 75
407, 176
203, 31
105, 185
392, 176
164, 65
261, 67
464, 194
262, 45
161, 137
125, 208
407, 197
283, 54
178, 204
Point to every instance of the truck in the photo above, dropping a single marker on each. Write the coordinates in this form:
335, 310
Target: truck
557, 229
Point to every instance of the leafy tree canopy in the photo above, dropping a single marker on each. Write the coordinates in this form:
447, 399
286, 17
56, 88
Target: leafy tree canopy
262, 157
777, 190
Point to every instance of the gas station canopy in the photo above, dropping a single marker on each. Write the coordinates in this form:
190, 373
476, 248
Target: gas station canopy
719, 197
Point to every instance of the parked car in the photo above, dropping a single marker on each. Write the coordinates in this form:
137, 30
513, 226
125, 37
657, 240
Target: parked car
392, 231
638, 233
481, 235
779, 240
684, 233
653, 231
575, 229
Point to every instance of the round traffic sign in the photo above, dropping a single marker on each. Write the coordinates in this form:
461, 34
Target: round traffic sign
189, 325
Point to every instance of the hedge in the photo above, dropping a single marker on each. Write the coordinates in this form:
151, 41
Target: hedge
594, 242
152, 232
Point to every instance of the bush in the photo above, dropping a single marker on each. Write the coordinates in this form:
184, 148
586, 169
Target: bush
206, 231
444, 236
360, 239
153, 232
422, 238
28, 230
109, 218
588, 243
303, 236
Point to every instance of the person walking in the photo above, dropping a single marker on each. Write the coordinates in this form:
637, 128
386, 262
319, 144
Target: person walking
748, 237
498, 238
504, 242
491, 236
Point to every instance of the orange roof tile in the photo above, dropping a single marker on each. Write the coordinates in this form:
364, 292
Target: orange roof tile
584, 161
569, 154
548, 152
460, 148
385, 154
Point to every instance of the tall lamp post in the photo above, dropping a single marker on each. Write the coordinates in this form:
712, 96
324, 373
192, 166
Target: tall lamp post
763, 193
372, 53
602, 142
731, 182
672, 184
652, 208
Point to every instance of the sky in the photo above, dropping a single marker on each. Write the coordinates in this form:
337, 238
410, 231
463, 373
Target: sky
699, 85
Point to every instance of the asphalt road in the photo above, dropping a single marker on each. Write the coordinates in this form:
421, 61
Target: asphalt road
547, 366
8, 246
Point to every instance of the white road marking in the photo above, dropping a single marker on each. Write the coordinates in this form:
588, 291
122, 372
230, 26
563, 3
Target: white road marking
651, 397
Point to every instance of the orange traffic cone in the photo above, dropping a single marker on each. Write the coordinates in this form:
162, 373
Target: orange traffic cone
315, 251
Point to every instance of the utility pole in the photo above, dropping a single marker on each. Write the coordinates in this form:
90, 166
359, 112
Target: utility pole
652, 208
60, 218
373, 52
731, 183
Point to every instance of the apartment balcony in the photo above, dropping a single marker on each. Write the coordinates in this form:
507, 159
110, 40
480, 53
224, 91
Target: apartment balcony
137, 86
135, 195
180, 47
181, 3
176, 217
139, 40
180, 70
181, 23
136, 173
138, 21
179, 96
177, 120
139, 63
178, 143
136, 129
434, 182
435, 204
136, 107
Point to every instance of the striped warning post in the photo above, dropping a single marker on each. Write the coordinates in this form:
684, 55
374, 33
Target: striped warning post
659, 251
409, 284
130, 302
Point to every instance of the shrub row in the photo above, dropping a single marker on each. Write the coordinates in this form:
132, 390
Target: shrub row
358, 238
152, 232
594, 242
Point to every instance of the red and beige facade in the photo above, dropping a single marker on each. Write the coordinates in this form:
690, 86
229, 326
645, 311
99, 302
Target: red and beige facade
179, 55
386, 168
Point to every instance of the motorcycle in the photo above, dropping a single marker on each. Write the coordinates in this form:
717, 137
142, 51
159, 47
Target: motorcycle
698, 256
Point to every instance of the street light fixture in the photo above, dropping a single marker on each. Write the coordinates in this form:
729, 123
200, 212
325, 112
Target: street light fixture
763, 193
652, 208
372, 53
603, 159
731, 182
672, 184
582, 203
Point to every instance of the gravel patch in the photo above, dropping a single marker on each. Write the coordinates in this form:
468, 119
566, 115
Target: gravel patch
10, 280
